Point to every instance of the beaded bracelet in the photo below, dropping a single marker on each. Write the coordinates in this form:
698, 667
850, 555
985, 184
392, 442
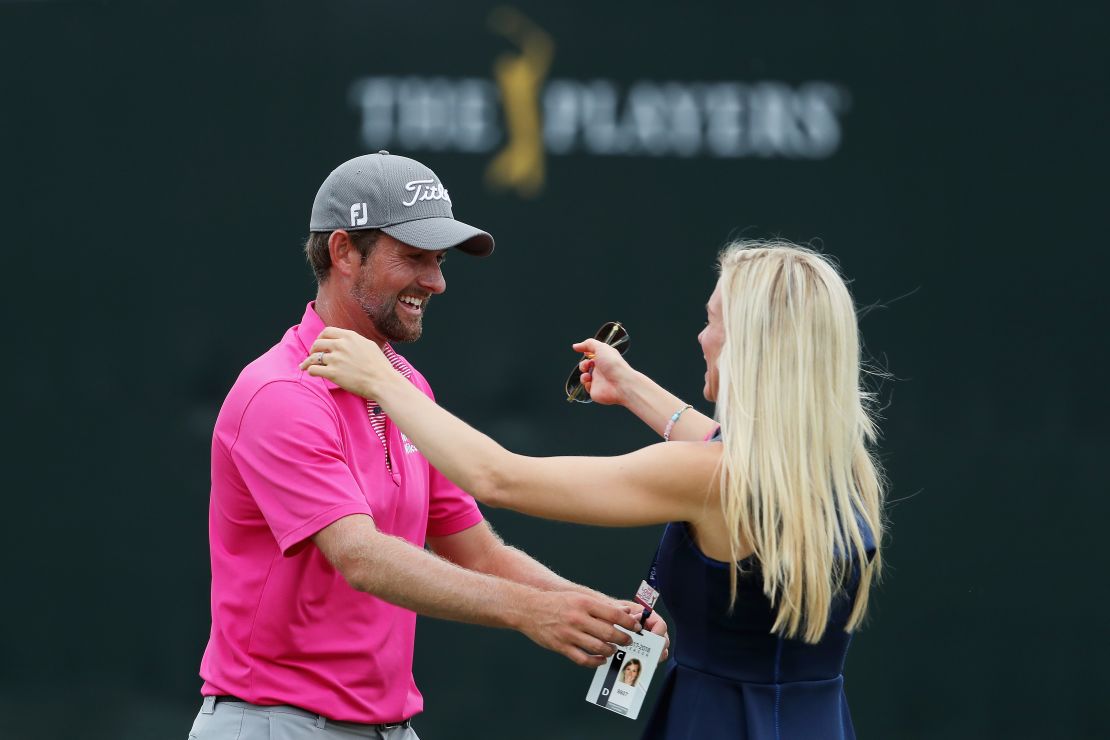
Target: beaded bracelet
671, 422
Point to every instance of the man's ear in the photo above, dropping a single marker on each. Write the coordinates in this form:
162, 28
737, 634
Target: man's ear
345, 258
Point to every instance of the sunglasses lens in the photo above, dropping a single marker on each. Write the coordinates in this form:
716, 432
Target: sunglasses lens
615, 335
575, 390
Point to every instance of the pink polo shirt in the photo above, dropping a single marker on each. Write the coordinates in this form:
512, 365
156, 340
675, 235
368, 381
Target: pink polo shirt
291, 454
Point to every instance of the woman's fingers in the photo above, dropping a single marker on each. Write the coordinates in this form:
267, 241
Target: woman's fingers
315, 359
587, 346
333, 332
324, 345
321, 352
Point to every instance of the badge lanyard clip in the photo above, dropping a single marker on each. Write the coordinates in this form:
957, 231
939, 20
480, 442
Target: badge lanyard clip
647, 594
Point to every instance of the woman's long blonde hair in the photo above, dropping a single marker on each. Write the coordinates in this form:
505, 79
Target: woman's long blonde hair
798, 483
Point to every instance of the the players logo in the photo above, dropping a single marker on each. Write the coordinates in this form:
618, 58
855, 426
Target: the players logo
520, 117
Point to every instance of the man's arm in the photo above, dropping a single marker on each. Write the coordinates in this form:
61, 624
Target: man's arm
576, 624
479, 548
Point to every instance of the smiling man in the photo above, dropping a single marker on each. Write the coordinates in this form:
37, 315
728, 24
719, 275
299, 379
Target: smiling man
321, 508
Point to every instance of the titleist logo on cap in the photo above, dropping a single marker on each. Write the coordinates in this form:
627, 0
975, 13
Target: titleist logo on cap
425, 190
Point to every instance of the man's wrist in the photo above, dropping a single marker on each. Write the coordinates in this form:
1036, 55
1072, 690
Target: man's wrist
516, 598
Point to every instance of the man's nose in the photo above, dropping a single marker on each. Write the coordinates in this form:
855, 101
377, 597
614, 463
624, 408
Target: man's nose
432, 279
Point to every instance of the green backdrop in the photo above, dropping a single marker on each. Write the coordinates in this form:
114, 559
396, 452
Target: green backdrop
159, 163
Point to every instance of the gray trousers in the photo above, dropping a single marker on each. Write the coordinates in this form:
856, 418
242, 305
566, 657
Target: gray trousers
238, 720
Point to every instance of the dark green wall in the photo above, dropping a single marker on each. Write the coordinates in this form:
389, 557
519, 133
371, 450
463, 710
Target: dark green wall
159, 162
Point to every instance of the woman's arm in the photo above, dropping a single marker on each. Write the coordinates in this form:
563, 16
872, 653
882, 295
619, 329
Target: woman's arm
610, 380
664, 482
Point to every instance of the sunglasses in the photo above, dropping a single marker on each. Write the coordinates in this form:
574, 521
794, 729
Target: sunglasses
611, 333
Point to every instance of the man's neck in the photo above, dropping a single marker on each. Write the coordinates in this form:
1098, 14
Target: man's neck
345, 314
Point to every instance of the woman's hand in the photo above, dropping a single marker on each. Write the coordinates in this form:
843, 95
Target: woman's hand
349, 360
605, 374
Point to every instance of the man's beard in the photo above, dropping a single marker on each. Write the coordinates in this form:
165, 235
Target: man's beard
382, 312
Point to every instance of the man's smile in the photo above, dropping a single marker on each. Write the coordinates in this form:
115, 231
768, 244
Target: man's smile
412, 305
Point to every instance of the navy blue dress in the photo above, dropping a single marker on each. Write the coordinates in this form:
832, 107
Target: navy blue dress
728, 676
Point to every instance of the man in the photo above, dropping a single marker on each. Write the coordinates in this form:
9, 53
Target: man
321, 508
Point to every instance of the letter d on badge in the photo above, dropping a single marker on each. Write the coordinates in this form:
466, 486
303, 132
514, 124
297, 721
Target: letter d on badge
610, 677
358, 214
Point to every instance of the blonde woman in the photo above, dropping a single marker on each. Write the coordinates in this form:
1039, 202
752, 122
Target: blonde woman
774, 509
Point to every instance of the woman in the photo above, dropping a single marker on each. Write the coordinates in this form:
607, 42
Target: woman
775, 517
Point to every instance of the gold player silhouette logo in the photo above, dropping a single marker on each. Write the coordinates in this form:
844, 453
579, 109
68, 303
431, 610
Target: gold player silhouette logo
520, 76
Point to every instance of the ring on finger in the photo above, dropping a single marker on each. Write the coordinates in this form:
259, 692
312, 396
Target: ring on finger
320, 358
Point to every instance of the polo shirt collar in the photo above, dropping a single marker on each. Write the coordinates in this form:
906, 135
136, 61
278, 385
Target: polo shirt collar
309, 329
312, 325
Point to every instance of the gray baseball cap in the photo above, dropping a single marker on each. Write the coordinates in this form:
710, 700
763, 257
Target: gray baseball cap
398, 195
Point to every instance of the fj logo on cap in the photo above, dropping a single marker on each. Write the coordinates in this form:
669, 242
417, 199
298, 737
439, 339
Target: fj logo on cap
425, 190
358, 214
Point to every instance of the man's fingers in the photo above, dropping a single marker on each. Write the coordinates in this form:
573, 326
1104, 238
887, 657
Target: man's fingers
584, 659
603, 630
616, 614
594, 646
582, 649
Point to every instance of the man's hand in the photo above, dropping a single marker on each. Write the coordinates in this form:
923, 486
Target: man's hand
655, 624
577, 625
